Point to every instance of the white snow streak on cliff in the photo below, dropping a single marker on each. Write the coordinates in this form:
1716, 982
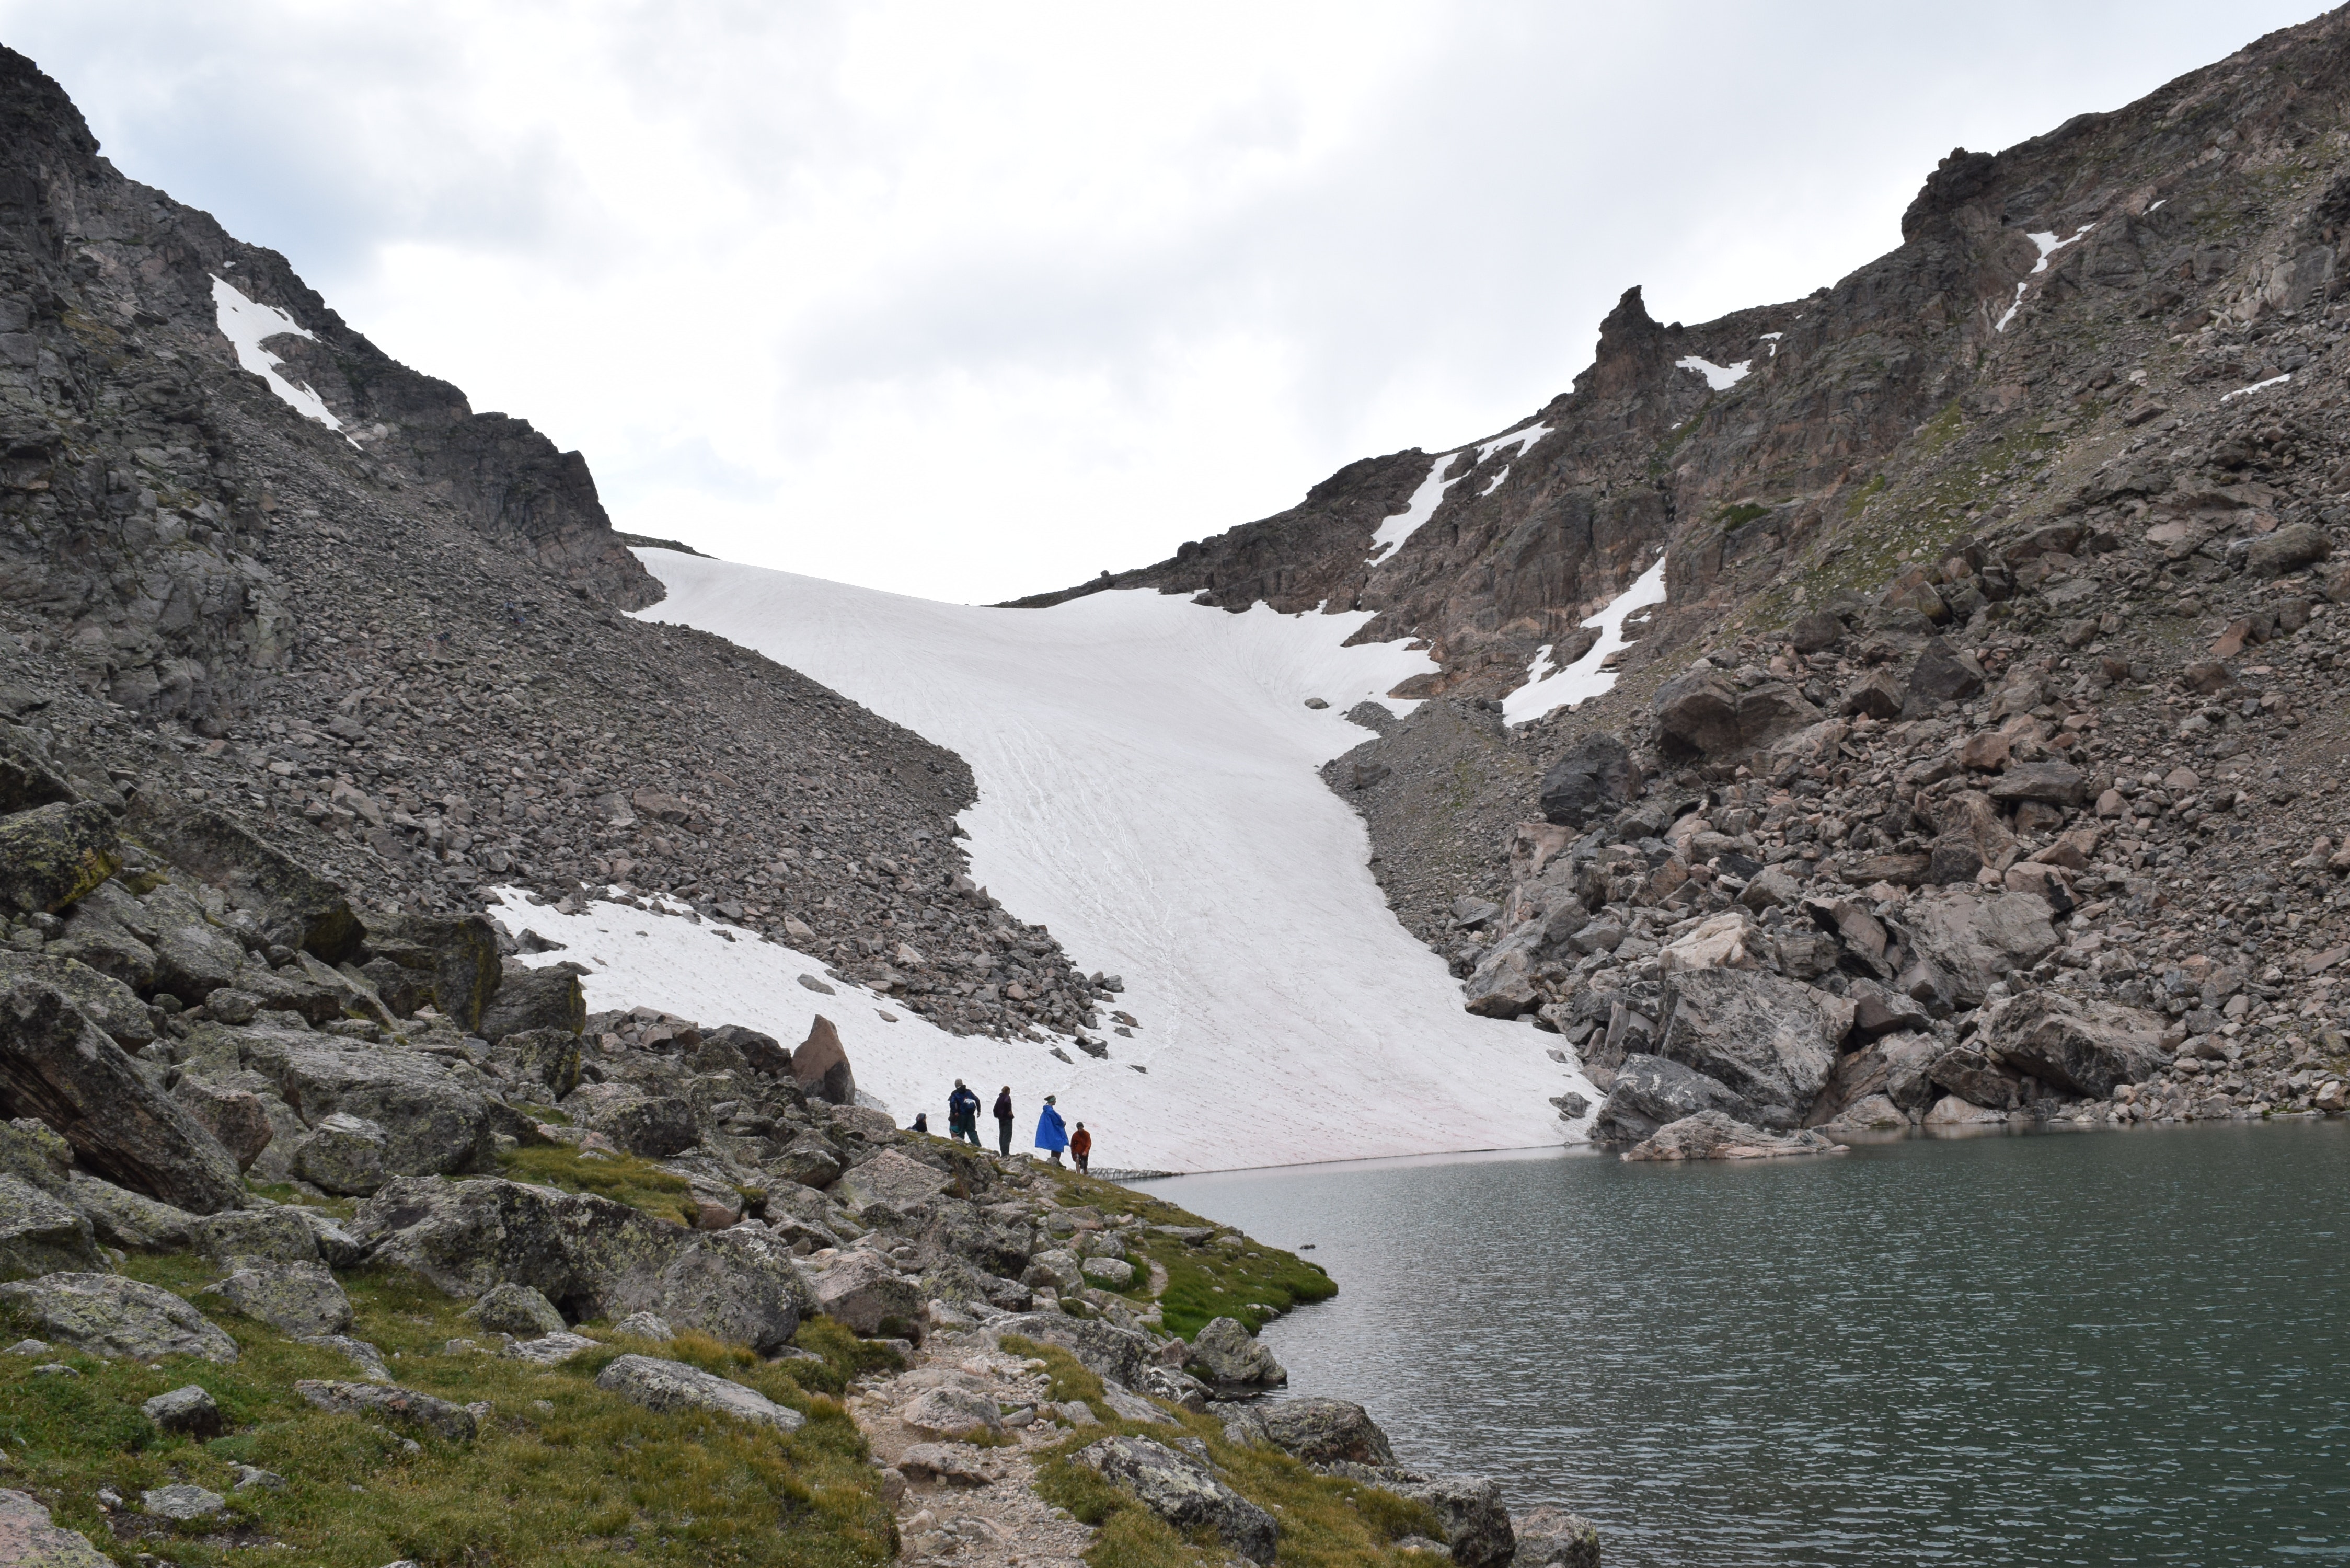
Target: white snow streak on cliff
1422, 506
1519, 438
1147, 784
1720, 378
1548, 688
247, 324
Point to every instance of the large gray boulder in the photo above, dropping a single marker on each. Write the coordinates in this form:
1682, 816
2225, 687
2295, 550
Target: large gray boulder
29, 1538
31, 1150
1710, 1135
530, 998
434, 1116
1975, 940
666, 1385
341, 1154
949, 1411
1106, 1350
57, 1066
280, 1235
237, 1117
741, 1285
41, 1234
107, 1316
891, 1178
127, 1219
1706, 713
863, 1290
1320, 1431
1595, 778
54, 853
105, 1001
1770, 1040
1475, 1520
1183, 1492
298, 1300
653, 1127
394, 1405
459, 954
517, 1310
295, 905
1651, 1091
1232, 1356
1550, 1537
2083, 1044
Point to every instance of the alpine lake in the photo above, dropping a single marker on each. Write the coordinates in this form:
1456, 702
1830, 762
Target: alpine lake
2061, 1348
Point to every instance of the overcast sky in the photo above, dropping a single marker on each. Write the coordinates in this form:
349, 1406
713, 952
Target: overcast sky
973, 300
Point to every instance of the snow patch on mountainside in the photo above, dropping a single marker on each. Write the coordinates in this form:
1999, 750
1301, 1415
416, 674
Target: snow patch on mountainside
1546, 689
247, 324
1422, 506
1148, 789
1719, 377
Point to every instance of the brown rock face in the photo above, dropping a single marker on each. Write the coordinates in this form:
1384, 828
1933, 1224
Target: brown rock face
820, 1067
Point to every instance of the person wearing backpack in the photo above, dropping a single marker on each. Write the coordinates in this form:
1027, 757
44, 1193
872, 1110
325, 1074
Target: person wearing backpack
1003, 1122
962, 1114
1081, 1146
1052, 1132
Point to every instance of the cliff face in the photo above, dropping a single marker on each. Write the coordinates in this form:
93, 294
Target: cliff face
1757, 444
132, 498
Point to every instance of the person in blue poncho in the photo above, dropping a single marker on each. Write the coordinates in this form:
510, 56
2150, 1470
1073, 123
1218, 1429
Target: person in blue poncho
1052, 1132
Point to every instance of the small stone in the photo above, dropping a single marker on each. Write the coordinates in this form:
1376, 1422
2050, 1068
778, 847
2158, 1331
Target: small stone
180, 1503
645, 1325
188, 1411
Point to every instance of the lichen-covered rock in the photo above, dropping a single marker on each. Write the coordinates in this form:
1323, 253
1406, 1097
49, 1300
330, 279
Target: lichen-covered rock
529, 998
52, 855
57, 1065
107, 1315
435, 1120
653, 1127
1233, 1356
279, 1234
30, 1149
1320, 1431
1106, 1350
188, 1411
1770, 1040
460, 955
517, 1310
105, 1001
295, 905
740, 1285
543, 1063
2086, 1044
666, 1385
951, 1412
1184, 1492
891, 1178
864, 1291
298, 1300
1476, 1522
121, 1218
28, 1538
1710, 1135
343, 1154
236, 1116
393, 1405
41, 1234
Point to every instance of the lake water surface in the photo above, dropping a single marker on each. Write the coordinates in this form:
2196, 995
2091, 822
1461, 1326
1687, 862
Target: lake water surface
2095, 1347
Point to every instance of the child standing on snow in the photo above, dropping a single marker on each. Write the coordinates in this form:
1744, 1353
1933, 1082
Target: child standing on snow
1081, 1145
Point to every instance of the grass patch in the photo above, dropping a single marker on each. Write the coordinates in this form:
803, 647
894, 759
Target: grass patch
561, 1474
1740, 514
622, 1177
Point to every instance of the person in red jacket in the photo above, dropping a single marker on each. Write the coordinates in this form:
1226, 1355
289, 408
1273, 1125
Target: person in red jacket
1081, 1145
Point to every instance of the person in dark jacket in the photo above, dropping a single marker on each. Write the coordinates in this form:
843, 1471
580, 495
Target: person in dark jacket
1052, 1132
1081, 1146
922, 1122
1003, 1122
962, 1114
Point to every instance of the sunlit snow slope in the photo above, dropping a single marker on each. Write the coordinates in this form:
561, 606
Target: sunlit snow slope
1147, 789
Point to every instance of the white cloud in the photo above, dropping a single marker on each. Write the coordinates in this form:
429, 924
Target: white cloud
975, 301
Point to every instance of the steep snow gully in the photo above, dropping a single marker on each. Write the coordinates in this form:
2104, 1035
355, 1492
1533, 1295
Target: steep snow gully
1147, 789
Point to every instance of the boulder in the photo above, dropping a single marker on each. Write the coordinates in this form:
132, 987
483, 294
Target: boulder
468, 1237
543, 1063
1233, 1356
1976, 941
1320, 1431
29, 1539
282, 1235
55, 853
107, 1316
1182, 1491
2054, 784
957, 1464
1815, 632
551, 1349
1550, 1537
1705, 713
57, 1066
864, 1290
193, 958
236, 1118
1710, 1135
820, 1067
343, 1155
294, 906
1770, 1040
530, 998
105, 1001
1110, 1273
459, 955
187, 1412
1594, 779
1879, 694
296, 1299
2086, 1044
761, 1053
41, 1234
1942, 675
127, 1219
1870, 1113
1976, 1079
1951, 1111
1727, 940
30, 1150
181, 1503
1106, 1350
517, 1310
892, 1178
653, 1127
394, 1405
1475, 1520
1502, 985
949, 1411
1650, 1092
2289, 549
434, 1121
740, 1285
668, 1386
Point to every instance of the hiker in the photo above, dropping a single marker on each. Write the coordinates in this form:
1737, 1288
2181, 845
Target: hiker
962, 1114
1052, 1132
922, 1122
1003, 1122
1081, 1144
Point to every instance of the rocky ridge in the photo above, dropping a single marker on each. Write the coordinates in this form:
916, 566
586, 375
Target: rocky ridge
390, 638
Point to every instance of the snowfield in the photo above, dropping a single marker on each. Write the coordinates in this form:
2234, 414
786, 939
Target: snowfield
1147, 784
1546, 689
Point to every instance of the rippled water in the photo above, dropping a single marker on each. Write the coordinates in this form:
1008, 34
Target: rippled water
2069, 1348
